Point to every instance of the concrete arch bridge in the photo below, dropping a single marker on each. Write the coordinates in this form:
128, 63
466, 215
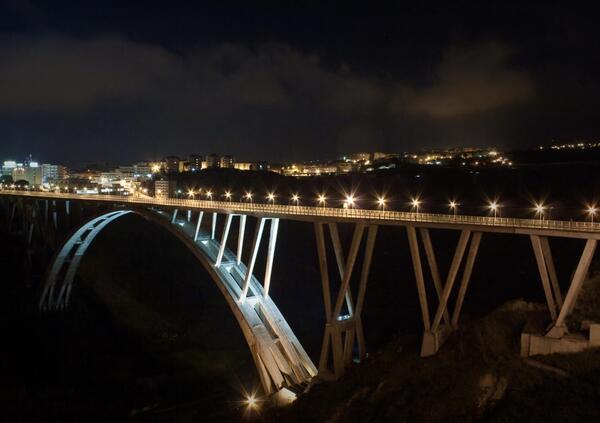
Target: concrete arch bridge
280, 359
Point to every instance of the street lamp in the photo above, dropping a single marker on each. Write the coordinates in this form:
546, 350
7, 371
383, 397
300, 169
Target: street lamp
209, 194
191, 194
415, 203
228, 195
494, 208
252, 402
322, 199
381, 202
453, 205
592, 210
539, 210
350, 200
271, 197
248, 196
296, 199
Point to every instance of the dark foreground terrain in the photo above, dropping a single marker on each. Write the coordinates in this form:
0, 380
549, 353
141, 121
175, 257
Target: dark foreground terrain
477, 376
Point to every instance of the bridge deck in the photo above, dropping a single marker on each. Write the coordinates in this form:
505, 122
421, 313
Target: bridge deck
561, 228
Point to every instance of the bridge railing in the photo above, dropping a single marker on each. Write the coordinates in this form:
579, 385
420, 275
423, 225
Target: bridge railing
291, 211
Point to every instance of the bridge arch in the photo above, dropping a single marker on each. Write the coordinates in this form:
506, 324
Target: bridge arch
280, 359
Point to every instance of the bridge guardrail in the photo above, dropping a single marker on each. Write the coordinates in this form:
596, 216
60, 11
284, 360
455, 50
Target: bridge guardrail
292, 211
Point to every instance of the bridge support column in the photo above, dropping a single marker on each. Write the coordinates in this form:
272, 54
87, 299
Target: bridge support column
198, 224
46, 212
11, 215
240, 245
437, 330
213, 224
545, 265
270, 255
254, 252
559, 328
260, 225
223, 240
54, 215
342, 331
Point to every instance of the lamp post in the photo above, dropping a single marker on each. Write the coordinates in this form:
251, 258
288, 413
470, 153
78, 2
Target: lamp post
453, 205
322, 200
494, 208
415, 203
592, 210
350, 200
539, 210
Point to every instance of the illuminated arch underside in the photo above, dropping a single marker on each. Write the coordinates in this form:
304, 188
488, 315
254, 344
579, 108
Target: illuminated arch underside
280, 359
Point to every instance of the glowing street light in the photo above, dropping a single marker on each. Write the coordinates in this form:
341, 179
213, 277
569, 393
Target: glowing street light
228, 195
209, 194
248, 196
592, 210
381, 202
191, 194
494, 208
453, 205
296, 199
251, 402
271, 197
350, 200
540, 210
415, 203
322, 199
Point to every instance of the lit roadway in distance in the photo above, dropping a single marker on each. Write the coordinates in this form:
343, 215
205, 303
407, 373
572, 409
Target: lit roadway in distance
573, 229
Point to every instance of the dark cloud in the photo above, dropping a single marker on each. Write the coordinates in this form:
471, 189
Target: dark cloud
56, 74
469, 81
63, 74
106, 93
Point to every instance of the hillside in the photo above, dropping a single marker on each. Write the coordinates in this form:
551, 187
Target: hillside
477, 376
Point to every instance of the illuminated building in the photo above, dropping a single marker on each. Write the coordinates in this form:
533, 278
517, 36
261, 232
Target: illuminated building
164, 188
226, 162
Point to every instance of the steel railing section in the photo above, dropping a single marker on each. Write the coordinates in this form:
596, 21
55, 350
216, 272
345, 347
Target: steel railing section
298, 211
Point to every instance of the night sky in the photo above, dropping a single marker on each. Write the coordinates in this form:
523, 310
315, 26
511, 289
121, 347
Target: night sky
86, 81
